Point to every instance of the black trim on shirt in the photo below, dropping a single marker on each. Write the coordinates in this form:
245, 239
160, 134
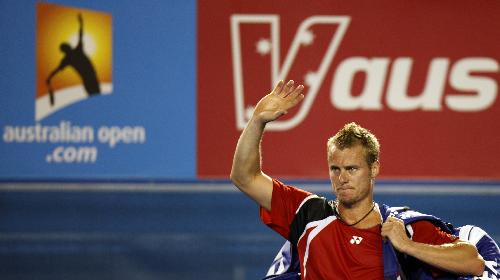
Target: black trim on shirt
314, 209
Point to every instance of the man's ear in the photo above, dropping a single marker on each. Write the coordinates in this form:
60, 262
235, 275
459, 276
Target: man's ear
375, 169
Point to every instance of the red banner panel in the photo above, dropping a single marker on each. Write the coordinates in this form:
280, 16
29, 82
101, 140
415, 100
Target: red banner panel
423, 76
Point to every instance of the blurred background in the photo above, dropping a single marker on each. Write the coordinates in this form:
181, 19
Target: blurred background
131, 182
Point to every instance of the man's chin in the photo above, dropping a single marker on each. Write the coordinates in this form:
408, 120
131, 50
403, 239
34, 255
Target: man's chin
346, 201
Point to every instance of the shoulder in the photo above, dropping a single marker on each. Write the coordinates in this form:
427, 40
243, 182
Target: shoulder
279, 186
301, 199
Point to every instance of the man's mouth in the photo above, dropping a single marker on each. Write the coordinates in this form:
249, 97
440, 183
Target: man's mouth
344, 188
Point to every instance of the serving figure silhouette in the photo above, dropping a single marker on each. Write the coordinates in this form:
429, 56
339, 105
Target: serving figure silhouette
76, 58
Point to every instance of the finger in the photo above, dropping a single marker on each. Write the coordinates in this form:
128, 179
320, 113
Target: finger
279, 114
286, 88
289, 91
296, 99
393, 219
387, 227
297, 91
385, 232
397, 220
277, 89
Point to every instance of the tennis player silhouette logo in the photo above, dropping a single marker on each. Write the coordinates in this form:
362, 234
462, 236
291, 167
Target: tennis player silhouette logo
74, 58
80, 62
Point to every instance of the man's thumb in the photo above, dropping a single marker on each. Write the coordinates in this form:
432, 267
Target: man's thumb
279, 114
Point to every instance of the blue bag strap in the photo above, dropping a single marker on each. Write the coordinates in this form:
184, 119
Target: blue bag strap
392, 268
286, 264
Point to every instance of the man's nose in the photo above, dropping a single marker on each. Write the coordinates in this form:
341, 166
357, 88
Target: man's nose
343, 176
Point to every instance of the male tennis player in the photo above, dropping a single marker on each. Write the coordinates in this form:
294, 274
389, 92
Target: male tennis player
340, 239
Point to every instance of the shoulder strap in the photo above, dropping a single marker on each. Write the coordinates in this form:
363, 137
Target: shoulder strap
392, 267
286, 264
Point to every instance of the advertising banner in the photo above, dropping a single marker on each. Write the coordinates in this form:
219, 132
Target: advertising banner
422, 76
93, 92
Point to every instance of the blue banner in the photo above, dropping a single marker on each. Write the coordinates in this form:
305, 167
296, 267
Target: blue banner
97, 90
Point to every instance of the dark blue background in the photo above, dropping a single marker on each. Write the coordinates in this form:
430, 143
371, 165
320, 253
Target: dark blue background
169, 234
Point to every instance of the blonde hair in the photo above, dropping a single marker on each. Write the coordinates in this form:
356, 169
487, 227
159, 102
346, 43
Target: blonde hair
351, 135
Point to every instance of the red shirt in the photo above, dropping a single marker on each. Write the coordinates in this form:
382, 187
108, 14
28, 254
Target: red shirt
328, 248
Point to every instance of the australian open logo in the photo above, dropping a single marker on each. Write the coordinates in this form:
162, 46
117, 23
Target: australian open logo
73, 56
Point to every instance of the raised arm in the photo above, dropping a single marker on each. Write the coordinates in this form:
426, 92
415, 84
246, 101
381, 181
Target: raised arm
459, 257
246, 172
80, 29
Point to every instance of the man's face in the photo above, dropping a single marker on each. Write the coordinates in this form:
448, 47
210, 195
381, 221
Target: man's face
351, 176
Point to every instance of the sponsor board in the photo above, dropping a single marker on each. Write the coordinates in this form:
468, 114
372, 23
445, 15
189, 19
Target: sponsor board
423, 77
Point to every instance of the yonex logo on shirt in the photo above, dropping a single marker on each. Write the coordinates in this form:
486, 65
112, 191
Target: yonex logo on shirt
356, 240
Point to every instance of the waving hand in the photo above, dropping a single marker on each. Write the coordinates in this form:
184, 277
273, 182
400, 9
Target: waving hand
278, 102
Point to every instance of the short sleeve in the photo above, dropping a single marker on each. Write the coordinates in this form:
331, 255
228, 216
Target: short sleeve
284, 204
427, 232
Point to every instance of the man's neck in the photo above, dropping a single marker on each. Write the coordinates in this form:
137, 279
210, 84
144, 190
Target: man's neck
360, 215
